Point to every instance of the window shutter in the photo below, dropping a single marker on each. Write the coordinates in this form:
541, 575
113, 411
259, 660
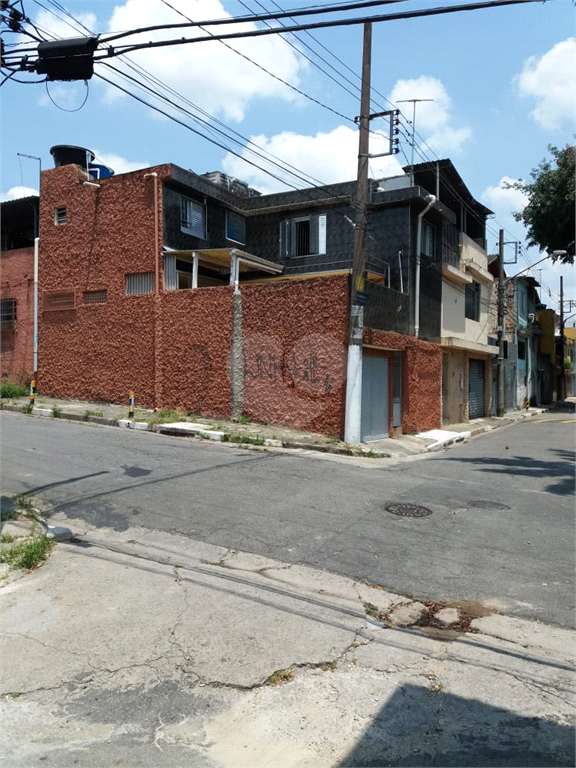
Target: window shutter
285, 238
170, 278
314, 234
322, 233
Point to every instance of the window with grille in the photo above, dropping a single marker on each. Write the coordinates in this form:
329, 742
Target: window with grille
193, 218
235, 227
60, 215
53, 301
8, 314
472, 301
140, 283
304, 236
95, 297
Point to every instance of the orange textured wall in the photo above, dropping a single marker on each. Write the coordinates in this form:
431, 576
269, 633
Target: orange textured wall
98, 351
17, 346
295, 338
421, 380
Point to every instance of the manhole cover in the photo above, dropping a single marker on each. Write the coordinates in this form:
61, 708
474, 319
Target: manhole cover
485, 504
408, 510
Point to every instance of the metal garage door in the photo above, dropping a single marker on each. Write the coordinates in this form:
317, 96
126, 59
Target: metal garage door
476, 399
375, 402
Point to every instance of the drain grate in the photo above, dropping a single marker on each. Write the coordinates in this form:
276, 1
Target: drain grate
408, 510
486, 504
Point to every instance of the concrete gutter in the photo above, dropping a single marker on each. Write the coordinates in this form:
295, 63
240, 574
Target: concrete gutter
387, 448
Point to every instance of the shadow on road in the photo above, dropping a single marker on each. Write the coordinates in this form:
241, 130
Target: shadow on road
560, 470
420, 727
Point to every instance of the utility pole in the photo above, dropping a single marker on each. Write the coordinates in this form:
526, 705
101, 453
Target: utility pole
562, 347
501, 299
414, 102
352, 426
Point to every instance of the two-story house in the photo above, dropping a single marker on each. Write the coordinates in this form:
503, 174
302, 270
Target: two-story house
199, 293
19, 229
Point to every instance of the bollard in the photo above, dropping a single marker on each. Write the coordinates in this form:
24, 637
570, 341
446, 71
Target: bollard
32, 392
131, 406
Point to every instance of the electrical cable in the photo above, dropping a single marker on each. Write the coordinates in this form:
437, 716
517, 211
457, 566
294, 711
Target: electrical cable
118, 51
311, 11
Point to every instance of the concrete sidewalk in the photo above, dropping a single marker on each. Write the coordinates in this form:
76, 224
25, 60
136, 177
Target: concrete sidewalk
147, 649
175, 423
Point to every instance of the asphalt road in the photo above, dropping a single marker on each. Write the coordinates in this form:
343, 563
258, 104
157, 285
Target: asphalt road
501, 528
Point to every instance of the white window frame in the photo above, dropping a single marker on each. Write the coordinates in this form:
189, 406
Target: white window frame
188, 208
288, 233
241, 218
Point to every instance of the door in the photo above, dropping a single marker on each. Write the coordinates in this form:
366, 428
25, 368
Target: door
476, 384
375, 401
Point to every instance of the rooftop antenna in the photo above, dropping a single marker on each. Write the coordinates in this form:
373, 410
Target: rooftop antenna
414, 102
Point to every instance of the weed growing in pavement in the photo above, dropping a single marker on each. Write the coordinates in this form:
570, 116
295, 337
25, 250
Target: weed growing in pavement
6, 538
24, 505
89, 413
166, 416
280, 677
370, 609
236, 437
28, 408
56, 412
243, 420
330, 666
13, 389
27, 554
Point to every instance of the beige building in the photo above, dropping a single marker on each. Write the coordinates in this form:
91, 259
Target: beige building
467, 288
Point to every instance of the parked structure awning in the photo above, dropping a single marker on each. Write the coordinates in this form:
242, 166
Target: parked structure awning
232, 259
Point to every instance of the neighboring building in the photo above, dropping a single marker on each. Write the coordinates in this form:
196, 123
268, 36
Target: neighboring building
123, 259
545, 337
526, 304
19, 227
570, 358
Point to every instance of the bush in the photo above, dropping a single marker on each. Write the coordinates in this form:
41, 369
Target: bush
28, 554
13, 389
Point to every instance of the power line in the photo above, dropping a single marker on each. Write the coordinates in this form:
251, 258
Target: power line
312, 25
310, 11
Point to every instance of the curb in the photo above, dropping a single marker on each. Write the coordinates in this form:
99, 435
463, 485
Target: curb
166, 429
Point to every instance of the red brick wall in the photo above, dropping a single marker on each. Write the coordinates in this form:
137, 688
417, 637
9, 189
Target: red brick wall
99, 351
295, 337
17, 347
421, 380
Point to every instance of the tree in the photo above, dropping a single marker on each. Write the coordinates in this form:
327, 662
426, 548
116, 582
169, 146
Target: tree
549, 215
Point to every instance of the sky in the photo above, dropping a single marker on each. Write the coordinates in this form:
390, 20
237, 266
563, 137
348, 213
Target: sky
502, 82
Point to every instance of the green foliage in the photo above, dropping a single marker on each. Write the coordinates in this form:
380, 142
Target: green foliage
568, 366
549, 215
236, 437
166, 416
56, 412
243, 420
13, 389
89, 413
28, 408
27, 554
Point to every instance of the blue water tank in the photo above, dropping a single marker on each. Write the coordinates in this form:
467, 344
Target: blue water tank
98, 171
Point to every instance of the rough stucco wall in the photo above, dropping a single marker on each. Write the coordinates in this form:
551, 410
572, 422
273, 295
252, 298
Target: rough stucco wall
295, 337
17, 347
421, 380
99, 351
196, 344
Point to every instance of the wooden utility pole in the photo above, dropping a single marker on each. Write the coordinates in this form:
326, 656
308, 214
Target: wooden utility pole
352, 427
501, 329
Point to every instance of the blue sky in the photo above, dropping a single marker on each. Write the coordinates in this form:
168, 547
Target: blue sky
502, 81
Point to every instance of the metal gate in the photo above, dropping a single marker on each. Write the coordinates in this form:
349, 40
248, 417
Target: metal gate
476, 395
375, 399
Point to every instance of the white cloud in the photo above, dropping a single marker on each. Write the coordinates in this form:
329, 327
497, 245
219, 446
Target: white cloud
433, 118
327, 157
209, 74
14, 193
550, 80
119, 164
503, 198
